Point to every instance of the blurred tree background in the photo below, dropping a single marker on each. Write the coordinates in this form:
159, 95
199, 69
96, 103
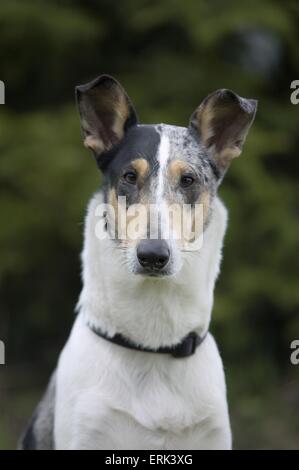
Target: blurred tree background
169, 55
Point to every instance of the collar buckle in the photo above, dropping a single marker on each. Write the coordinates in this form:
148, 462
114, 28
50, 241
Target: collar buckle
188, 346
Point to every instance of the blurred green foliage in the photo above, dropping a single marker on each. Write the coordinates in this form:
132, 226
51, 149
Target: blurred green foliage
169, 55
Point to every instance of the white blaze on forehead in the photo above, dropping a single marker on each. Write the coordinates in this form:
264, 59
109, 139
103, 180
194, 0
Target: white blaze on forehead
160, 205
162, 157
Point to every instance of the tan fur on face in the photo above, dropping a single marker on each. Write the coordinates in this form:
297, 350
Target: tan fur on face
112, 200
177, 168
142, 168
205, 200
131, 218
199, 218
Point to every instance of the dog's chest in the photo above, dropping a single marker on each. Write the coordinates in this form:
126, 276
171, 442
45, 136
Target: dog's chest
119, 403
154, 420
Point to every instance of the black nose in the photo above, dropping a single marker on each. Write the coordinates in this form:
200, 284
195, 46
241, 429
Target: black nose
153, 254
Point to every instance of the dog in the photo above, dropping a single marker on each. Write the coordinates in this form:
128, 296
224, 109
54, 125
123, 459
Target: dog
140, 369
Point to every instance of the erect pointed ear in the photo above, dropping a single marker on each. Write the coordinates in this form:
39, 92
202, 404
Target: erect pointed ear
105, 113
223, 120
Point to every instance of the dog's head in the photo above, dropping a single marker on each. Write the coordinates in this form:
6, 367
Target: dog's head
160, 180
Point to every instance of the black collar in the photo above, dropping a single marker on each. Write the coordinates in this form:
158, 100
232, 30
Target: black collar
185, 348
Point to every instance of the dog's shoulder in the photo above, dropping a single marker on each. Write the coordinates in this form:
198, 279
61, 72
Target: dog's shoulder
39, 432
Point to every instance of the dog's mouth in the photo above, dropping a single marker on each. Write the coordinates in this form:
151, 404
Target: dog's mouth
152, 273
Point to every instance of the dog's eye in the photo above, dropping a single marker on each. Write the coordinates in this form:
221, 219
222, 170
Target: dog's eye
130, 177
186, 181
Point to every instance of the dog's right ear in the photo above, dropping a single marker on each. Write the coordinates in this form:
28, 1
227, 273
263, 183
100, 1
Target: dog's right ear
106, 113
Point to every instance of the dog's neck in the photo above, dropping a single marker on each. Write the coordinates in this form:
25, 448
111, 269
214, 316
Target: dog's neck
150, 312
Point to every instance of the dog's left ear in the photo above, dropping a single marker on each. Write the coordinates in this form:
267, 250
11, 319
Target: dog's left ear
106, 113
223, 120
